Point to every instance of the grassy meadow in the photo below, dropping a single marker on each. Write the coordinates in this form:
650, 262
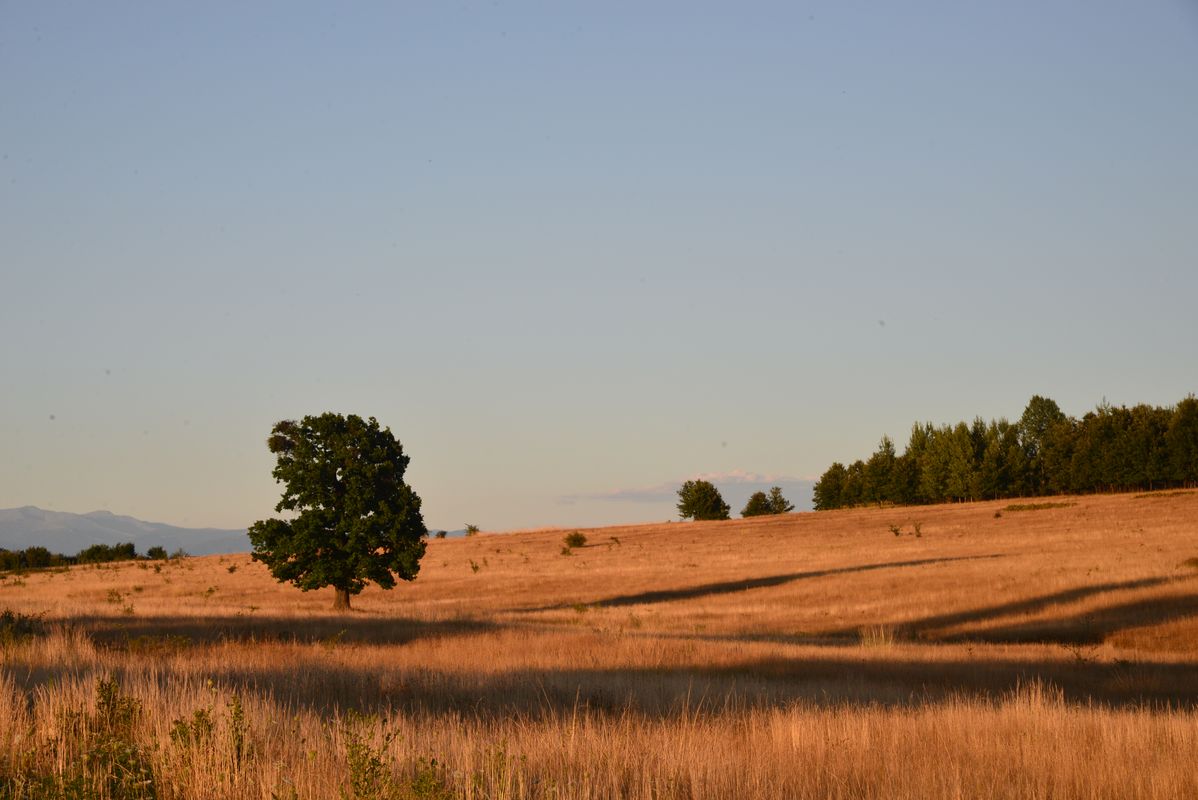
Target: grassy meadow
1039, 649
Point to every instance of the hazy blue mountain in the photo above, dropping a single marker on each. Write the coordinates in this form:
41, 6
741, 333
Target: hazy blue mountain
62, 532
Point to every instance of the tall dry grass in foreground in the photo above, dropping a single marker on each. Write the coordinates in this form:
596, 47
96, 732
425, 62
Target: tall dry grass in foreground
1038, 653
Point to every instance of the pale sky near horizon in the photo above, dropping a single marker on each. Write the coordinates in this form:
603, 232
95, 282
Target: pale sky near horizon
574, 254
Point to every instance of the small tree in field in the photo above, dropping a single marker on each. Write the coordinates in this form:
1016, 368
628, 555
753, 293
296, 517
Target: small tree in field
356, 520
700, 500
778, 503
758, 506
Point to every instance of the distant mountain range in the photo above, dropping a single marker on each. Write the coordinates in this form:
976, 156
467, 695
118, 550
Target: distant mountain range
62, 532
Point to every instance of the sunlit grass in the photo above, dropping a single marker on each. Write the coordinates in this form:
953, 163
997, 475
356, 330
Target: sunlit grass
811, 655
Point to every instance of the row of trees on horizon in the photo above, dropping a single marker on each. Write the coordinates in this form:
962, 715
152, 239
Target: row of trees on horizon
1113, 448
37, 557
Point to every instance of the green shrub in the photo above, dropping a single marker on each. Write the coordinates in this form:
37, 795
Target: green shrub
575, 539
114, 759
370, 776
427, 782
237, 730
196, 731
15, 626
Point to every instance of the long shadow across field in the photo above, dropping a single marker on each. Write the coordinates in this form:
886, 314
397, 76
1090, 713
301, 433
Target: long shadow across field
926, 627
150, 633
729, 587
829, 680
1089, 627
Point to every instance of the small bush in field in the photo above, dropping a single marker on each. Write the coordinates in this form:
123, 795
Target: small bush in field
369, 775
15, 626
575, 539
114, 760
428, 781
471, 530
237, 729
196, 731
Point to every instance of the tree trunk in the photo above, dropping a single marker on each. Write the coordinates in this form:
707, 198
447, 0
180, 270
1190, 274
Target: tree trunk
341, 599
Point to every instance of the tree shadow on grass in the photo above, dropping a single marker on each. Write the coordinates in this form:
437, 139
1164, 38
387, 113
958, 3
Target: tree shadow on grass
729, 587
834, 679
1088, 627
926, 627
123, 632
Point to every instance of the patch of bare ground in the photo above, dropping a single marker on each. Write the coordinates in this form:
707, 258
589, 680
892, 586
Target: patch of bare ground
1047, 654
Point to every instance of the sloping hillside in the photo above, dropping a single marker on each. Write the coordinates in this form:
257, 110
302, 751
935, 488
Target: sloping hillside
1043, 648
1085, 571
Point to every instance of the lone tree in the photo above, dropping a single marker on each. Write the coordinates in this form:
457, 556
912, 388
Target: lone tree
701, 500
356, 520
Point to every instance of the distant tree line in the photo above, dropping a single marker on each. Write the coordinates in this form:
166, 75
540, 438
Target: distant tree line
701, 500
41, 558
1110, 449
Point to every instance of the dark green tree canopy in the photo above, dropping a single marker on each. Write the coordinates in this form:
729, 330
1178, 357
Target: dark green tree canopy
1112, 448
758, 506
761, 504
355, 519
778, 503
829, 489
1039, 416
700, 500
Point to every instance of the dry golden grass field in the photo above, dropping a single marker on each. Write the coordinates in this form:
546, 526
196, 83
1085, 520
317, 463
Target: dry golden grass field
1048, 652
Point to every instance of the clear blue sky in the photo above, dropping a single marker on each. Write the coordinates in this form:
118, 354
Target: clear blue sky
572, 254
